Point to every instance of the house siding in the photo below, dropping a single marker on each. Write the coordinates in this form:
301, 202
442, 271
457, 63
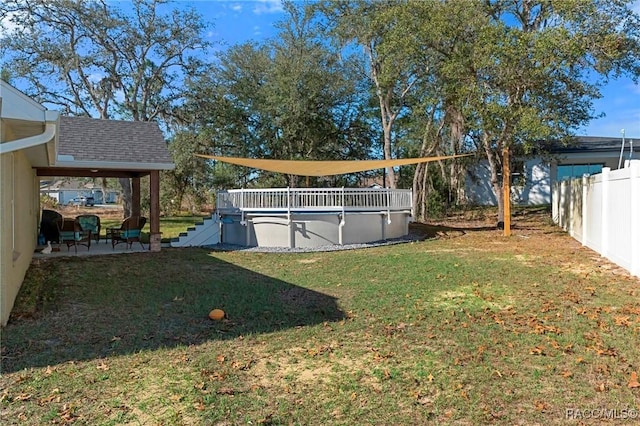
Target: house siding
18, 232
535, 191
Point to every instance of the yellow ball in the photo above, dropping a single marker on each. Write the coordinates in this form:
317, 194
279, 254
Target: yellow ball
216, 314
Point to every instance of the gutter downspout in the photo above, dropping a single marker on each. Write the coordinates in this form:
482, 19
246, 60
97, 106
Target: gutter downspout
46, 136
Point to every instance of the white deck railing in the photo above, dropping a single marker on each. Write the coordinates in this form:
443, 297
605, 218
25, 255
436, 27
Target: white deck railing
314, 199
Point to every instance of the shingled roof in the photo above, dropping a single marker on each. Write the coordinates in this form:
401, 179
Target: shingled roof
133, 145
589, 144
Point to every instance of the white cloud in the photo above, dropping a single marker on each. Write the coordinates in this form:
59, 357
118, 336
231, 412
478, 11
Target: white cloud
267, 6
236, 7
95, 77
8, 23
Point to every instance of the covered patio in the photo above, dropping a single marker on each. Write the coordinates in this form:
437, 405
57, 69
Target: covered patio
101, 248
94, 148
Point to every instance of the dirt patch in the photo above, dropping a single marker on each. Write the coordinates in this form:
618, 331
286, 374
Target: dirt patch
531, 229
303, 298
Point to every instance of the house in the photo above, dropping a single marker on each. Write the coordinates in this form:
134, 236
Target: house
63, 191
534, 176
35, 144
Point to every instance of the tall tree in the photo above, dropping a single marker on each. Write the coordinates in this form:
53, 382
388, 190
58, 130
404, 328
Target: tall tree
93, 59
538, 66
370, 25
292, 97
436, 37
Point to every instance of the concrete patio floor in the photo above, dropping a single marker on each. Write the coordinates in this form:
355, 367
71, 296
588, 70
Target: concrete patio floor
101, 248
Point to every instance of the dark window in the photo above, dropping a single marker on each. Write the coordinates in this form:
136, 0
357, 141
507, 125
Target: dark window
571, 171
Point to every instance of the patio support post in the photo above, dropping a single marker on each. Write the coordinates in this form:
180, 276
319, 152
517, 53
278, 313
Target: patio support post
135, 196
155, 236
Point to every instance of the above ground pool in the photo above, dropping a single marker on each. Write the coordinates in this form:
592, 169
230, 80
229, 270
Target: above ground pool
312, 217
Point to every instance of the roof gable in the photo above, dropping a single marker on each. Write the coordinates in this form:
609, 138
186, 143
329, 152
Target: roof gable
134, 145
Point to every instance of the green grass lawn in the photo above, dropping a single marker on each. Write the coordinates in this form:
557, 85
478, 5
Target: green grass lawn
171, 227
469, 328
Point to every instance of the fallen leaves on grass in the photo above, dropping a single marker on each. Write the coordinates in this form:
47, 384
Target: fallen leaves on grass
633, 381
22, 397
623, 321
541, 406
601, 387
226, 391
538, 350
67, 415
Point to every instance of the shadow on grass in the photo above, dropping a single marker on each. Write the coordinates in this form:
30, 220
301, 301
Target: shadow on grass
73, 309
427, 230
521, 220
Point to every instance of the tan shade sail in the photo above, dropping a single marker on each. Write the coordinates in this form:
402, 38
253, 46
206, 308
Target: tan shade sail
322, 168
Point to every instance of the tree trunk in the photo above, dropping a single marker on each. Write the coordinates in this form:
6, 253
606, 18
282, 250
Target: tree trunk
104, 187
419, 195
456, 171
420, 177
125, 183
390, 175
387, 116
494, 164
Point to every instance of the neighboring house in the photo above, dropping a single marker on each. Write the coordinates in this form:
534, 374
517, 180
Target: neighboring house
533, 177
37, 143
63, 191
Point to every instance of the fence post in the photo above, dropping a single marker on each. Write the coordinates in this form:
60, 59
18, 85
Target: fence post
572, 200
554, 202
562, 214
635, 213
604, 226
585, 208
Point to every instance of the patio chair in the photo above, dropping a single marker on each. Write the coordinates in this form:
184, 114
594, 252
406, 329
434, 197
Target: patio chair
48, 225
90, 222
129, 232
72, 234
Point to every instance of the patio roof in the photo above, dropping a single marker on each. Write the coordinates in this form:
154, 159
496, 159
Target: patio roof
91, 147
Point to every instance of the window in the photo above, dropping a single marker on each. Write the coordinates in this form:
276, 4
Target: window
571, 171
518, 177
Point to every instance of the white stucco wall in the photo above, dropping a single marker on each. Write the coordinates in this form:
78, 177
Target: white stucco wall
26, 128
535, 191
18, 226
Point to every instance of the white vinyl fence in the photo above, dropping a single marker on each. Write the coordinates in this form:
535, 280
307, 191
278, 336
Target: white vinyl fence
603, 213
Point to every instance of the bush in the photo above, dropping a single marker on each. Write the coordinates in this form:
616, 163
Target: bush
46, 201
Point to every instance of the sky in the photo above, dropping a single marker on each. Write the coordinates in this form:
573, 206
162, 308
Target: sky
237, 21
